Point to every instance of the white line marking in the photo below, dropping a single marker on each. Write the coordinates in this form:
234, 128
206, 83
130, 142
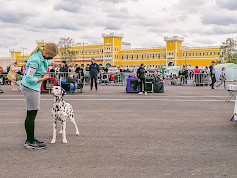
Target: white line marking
138, 99
133, 95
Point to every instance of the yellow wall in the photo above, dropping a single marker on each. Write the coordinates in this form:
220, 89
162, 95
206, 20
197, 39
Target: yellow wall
133, 57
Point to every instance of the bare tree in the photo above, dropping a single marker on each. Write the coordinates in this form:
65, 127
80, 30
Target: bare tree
65, 47
228, 51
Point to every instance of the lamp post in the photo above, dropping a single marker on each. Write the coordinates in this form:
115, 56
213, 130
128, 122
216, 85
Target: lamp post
23, 50
83, 53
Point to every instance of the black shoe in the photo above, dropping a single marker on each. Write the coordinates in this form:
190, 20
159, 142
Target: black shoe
34, 145
40, 142
37, 141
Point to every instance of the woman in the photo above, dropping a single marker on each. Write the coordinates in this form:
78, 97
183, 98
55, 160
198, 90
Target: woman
12, 75
36, 73
223, 78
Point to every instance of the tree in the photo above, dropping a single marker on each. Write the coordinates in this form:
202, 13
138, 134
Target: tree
65, 48
228, 51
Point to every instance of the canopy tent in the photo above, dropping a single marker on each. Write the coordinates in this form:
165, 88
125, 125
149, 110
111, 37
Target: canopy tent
108, 64
227, 65
230, 71
173, 69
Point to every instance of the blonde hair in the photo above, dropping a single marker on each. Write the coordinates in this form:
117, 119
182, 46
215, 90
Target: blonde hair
50, 48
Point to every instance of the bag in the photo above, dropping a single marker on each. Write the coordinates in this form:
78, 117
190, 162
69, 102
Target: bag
11, 75
158, 87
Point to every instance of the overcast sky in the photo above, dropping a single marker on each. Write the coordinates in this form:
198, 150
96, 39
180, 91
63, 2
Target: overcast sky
144, 23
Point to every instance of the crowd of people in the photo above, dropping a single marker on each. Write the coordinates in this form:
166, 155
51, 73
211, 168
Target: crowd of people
94, 73
197, 75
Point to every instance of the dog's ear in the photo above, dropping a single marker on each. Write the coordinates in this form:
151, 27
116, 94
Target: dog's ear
63, 91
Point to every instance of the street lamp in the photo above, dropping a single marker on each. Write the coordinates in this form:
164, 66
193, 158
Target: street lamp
83, 53
23, 49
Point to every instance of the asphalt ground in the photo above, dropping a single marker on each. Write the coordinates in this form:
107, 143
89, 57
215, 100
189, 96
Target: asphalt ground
184, 132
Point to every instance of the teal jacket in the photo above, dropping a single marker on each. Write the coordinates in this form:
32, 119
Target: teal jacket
41, 65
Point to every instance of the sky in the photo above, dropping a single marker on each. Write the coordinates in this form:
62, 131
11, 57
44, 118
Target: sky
144, 23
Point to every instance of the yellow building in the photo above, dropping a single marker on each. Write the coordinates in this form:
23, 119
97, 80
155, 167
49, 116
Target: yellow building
118, 53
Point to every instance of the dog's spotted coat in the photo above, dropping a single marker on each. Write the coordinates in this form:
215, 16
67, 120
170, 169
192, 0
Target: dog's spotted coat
61, 111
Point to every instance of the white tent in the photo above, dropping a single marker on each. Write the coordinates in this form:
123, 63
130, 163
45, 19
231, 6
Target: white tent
173, 69
230, 71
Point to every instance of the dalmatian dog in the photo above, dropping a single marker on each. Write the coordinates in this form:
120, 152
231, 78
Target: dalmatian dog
61, 111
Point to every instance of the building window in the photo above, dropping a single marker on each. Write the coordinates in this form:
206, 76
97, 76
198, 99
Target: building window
210, 53
196, 54
214, 53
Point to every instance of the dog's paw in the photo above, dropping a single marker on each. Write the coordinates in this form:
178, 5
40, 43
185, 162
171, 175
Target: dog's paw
61, 132
64, 141
77, 133
53, 141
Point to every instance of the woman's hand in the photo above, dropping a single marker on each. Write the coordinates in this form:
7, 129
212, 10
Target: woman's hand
45, 77
57, 62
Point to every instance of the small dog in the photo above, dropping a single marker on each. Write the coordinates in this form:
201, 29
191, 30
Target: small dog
61, 111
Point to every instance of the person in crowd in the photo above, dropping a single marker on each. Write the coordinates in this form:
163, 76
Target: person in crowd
181, 76
64, 70
77, 68
83, 71
23, 69
64, 67
12, 75
1, 76
1, 70
71, 68
197, 76
206, 71
94, 69
52, 71
141, 75
8, 68
212, 74
222, 78
72, 80
185, 75
197, 70
106, 69
36, 72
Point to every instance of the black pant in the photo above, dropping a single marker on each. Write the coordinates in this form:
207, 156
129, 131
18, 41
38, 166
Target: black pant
143, 81
30, 125
93, 77
213, 80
